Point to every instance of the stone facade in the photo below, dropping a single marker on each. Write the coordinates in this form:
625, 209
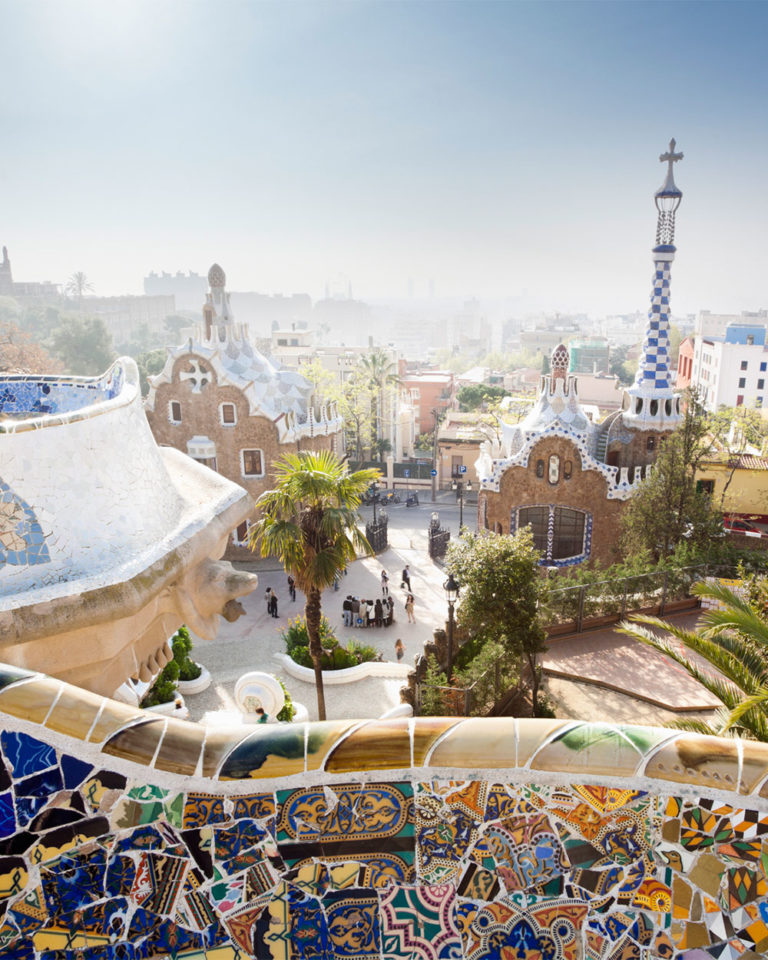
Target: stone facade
227, 406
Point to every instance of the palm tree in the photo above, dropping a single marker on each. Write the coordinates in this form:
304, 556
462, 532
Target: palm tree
309, 522
382, 372
734, 640
77, 285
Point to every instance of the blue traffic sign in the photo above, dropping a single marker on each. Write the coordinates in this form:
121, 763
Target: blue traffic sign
433, 472
462, 469
406, 473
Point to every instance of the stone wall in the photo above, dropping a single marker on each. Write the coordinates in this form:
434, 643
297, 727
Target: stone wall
586, 490
125, 836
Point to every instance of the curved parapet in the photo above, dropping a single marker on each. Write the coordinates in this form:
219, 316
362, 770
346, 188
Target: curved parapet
433, 837
107, 541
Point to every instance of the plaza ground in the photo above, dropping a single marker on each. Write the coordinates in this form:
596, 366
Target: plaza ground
600, 675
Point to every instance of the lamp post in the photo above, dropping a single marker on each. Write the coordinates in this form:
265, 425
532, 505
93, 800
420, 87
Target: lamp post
451, 595
374, 487
459, 486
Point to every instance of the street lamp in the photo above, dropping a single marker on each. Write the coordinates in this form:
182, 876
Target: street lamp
451, 595
374, 488
459, 486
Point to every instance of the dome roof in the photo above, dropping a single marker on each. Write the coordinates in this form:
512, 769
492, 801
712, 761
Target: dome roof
216, 276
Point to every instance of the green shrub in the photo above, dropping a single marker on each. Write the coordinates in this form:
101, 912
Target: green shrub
289, 711
433, 692
335, 656
181, 644
163, 690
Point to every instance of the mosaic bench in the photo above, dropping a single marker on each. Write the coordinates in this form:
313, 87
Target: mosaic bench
128, 836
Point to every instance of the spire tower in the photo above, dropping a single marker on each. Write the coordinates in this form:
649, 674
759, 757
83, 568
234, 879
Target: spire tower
650, 401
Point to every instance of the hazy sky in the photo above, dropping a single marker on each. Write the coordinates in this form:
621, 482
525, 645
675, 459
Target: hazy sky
498, 148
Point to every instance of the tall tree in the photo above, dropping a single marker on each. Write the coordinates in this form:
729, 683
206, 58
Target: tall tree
309, 522
20, 353
77, 286
501, 586
668, 509
382, 373
84, 346
733, 640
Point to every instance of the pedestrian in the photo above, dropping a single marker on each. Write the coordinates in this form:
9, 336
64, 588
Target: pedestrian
362, 616
268, 598
273, 608
406, 577
291, 587
378, 611
347, 611
263, 717
399, 649
355, 611
384, 583
389, 612
409, 608
371, 614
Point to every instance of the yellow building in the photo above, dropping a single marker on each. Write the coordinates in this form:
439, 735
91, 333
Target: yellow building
739, 486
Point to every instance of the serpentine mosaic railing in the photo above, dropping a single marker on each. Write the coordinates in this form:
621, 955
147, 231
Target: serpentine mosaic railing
128, 836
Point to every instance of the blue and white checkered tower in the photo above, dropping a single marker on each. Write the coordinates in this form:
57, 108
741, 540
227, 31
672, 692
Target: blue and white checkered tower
650, 402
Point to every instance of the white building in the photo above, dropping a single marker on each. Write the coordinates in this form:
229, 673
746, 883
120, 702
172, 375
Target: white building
731, 370
715, 324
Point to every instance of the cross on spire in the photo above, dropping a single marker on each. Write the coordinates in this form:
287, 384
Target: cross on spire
670, 156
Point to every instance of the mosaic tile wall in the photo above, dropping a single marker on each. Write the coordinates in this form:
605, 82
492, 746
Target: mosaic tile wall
34, 396
128, 837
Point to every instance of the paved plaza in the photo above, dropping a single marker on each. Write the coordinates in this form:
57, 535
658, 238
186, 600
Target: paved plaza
599, 675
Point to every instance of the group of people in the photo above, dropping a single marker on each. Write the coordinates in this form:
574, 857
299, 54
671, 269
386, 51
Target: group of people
368, 613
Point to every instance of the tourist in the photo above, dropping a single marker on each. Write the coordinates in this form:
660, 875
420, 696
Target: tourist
273, 604
355, 611
291, 587
263, 717
406, 577
347, 611
362, 617
389, 612
268, 599
409, 601
371, 614
399, 649
384, 583
378, 611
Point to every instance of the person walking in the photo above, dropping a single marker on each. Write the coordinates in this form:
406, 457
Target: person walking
347, 611
355, 611
389, 612
363, 614
291, 587
273, 605
268, 599
406, 577
409, 601
384, 583
399, 649
378, 611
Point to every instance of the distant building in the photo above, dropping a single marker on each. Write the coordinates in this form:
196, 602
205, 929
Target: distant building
13, 288
715, 324
740, 483
732, 370
458, 447
429, 391
187, 289
685, 363
227, 406
589, 355
124, 316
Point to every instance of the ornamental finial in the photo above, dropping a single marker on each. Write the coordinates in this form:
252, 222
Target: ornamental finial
670, 156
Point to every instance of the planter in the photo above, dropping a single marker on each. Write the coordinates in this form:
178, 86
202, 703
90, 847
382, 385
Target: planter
372, 668
176, 708
195, 686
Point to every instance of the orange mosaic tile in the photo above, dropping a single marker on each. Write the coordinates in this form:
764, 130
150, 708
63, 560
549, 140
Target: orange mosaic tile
376, 745
180, 750
74, 712
704, 761
30, 699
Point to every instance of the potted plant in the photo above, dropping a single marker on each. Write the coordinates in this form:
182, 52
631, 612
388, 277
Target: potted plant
163, 696
193, 677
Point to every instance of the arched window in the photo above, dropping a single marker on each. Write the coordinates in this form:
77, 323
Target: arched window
654, 407
568, 469
554, 469
562, 534
539, 468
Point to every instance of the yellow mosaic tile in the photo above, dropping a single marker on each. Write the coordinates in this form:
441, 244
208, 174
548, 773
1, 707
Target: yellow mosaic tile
30, 699
708, 761
74, 712
532, 733
480, 742
114, 716
137, 742
377, 745
272, 750
219, 743
181, 746
597, 748
426, 732
323, 737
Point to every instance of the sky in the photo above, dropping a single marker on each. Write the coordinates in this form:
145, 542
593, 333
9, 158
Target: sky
500, 150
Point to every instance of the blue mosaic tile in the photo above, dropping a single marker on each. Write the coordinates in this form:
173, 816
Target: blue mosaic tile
75, 771
22, 542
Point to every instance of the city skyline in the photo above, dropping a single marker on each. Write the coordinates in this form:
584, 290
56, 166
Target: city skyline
505, 151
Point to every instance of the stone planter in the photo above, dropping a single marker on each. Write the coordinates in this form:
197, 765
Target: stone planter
195, 686
176, 708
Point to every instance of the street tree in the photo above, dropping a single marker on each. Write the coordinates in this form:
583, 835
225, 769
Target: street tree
309, 522
501, 586
668, 509
732, 639
475, 396
382, 373
83, 345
